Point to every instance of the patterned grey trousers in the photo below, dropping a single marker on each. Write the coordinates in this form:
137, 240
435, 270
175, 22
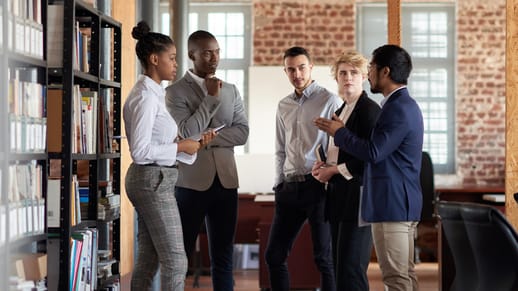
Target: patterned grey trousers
160, 239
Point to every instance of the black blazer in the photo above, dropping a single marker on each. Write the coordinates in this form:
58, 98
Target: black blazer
343, 196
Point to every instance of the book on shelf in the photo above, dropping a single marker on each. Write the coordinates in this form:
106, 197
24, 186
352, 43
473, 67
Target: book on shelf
54, 202
25, 199
84, 120
25, 28
84, 261
26, 99
89, 104
106, 120
81, 47
75, 257
54, 119
55, 28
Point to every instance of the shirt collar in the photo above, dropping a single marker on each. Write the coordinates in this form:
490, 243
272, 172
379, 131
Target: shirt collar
199, 80
307, 92
390, 94
352, 104
156, 88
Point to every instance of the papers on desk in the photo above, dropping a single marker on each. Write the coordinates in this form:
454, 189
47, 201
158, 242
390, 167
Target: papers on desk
264, 198
497, 198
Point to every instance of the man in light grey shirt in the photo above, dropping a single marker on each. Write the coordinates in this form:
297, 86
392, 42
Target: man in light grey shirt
298, 196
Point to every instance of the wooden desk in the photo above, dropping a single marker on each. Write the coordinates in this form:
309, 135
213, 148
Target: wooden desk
467, 192
303, 272
459, 193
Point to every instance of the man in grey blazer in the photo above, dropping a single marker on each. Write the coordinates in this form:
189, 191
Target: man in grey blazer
207, 189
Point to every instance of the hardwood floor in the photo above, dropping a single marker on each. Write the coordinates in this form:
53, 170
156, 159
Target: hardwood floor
247, 280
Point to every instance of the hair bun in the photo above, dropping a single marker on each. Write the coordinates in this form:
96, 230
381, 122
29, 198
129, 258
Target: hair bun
140, 30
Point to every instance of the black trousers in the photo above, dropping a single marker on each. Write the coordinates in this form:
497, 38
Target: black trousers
218, 206
294, 204
352, 246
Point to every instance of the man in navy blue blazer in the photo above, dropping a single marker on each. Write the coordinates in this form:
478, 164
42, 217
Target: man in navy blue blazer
391, 197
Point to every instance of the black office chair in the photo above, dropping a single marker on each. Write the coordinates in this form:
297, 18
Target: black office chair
428, 223
484, 246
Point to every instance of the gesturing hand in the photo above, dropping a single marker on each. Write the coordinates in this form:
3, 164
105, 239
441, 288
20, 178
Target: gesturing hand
329, 125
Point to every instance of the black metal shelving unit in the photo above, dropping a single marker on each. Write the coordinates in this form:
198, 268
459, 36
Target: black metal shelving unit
67, 76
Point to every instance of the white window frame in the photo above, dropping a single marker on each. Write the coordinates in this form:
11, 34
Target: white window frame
371, 17
202, 9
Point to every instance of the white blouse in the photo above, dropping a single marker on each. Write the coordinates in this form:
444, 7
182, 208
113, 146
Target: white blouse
150, 129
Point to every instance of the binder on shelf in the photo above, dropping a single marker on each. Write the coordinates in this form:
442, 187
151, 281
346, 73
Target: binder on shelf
53, 202
54, 119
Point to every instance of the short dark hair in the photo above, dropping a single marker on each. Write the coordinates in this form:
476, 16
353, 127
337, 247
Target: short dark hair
196, 36
396, 59
149, 42
296, 51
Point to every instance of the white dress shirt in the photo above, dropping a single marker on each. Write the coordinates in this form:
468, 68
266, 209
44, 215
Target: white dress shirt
200, 81
150, 129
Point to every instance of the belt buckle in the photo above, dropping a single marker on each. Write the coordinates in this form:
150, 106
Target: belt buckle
295, 178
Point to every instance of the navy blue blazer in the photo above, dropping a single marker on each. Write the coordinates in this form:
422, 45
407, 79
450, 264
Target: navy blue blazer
392, 189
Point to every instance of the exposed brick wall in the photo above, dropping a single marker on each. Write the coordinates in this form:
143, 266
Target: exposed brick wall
327, 27
480, 100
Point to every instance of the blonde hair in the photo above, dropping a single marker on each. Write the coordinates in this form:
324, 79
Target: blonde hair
353, 58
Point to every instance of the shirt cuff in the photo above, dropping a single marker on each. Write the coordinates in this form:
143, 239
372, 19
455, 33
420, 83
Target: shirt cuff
186, 158
342, 168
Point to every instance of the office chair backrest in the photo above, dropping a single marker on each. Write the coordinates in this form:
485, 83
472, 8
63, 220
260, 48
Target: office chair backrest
492, 240
452, 223
428, 188
496, 247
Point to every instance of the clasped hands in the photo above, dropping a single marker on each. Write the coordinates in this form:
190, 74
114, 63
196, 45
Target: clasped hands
323, 172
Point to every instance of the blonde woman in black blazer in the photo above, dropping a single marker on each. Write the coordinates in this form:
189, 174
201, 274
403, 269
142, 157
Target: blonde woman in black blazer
343, 174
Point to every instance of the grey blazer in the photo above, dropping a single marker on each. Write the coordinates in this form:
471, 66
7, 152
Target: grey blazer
194, 113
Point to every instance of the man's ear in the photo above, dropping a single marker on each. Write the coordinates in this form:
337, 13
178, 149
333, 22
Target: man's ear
386, 71
153, 59
191, 55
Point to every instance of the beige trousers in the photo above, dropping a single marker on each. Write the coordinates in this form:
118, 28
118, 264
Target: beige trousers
394, 244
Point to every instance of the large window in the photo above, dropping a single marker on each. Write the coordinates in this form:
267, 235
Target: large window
428, 35
230, 24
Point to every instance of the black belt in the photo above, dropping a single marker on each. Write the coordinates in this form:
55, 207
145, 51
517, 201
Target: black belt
297, 178
157, 165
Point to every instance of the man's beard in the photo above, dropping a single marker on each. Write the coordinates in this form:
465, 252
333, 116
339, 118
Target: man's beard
374, 89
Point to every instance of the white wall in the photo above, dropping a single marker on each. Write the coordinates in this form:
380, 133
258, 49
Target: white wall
267, 85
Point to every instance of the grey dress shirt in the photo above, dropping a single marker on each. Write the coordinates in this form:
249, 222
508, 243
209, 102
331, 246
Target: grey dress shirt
296, 135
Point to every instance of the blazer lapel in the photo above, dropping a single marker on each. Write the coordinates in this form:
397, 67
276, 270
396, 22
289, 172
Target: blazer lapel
337, 112
192, 83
